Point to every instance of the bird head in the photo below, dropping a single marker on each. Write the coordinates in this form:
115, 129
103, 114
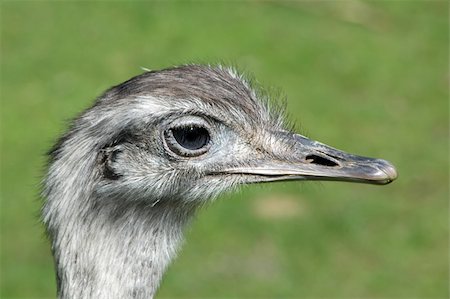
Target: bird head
189, 133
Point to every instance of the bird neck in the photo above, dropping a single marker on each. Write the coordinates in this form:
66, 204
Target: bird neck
118, 253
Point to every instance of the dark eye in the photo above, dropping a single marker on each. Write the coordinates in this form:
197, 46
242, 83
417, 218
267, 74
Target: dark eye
191, 138
188, 140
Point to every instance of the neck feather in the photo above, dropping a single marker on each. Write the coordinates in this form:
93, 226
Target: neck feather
112, 253
116, 247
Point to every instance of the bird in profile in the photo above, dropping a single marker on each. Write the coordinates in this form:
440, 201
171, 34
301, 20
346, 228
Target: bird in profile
133, 169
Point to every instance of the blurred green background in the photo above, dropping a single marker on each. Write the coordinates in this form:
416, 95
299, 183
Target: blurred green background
367, 77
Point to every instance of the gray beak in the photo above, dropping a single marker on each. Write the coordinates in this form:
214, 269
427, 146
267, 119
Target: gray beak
306, 159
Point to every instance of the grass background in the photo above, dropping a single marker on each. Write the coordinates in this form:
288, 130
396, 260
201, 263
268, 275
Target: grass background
367, 77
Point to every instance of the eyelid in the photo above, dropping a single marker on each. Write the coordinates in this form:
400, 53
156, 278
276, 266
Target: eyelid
193, 124
191, 120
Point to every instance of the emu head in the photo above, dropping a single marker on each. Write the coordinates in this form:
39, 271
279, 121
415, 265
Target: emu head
189, 133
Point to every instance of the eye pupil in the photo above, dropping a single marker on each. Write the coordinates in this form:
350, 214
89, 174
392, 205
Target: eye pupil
191, 137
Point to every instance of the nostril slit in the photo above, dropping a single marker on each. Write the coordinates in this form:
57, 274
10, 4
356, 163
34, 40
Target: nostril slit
313, 159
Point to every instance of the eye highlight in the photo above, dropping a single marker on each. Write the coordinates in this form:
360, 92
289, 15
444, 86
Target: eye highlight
188, 140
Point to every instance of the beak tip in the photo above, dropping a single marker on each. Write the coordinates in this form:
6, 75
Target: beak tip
389, 172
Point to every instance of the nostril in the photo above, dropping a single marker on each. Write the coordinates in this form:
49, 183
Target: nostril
314, 159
